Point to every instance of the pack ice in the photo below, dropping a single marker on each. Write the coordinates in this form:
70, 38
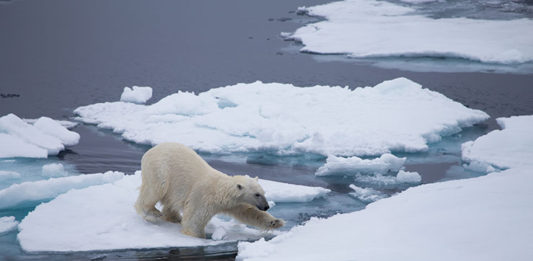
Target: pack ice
38, 140
484, 218
371, 28
102, 217
395, 115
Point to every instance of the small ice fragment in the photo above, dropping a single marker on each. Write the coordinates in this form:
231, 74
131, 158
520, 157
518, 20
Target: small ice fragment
366, 194
54, 170
7, 224
352, 165
136, 94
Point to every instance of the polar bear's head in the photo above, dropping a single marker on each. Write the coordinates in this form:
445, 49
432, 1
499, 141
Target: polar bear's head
250, 192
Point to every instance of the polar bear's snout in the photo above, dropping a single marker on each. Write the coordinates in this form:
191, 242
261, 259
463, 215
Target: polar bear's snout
263, 204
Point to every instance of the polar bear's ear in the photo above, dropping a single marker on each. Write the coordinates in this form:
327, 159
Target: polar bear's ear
256, 178
239, 186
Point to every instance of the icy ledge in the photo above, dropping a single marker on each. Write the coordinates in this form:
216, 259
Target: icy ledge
502, 149
38, 140
486, 218
395, 115
102, 218
370, 28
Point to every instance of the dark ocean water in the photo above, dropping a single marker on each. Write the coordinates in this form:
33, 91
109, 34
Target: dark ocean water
56, 55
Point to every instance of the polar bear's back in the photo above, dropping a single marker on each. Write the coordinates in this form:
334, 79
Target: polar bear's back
173, 166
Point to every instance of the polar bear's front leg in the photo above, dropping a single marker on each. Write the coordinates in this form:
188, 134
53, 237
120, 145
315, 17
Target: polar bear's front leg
250, 215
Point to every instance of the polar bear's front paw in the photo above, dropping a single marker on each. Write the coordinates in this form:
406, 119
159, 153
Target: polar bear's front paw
152, 216
276, 223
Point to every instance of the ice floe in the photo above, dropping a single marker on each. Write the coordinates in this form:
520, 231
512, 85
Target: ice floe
286, 119
7, 224
485, 218
7, 174
102, 217
371, 28
45, 137
340, 165
283, 192
136, 94
501, 149
54, 170
17, 195
402, 179
366, 194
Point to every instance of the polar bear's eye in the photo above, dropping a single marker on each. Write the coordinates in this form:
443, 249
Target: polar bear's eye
257, 194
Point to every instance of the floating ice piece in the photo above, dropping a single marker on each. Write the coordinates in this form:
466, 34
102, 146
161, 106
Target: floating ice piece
352, 165
64, 123
45, 137
136, 94
402, 179
485, 218
366, 194
7, 224
32, 191
6, 174
288, 119
110, 222
54, 170
371, 28
507, 148
283, 192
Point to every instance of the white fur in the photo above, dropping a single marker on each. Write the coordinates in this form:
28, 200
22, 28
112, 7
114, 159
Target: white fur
184, 183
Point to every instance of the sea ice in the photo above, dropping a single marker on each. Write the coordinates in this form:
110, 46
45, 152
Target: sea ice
283, 192
352, 165
136, 94
507, 148
18, 194
371, 28
288, 119
45, 137
366, 194
7, 224
54, 170
102, 218
485, 218
402, 179
7, 174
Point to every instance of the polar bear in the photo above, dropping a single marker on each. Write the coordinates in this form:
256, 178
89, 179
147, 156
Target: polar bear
182, 181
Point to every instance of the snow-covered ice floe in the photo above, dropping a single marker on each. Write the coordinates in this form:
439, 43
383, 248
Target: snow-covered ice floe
502, 149
136, 94
288, 119
37, 140
7, 224
371, 28
17, 195
102, 217
402, 179
485, 218
340, 165
366, 194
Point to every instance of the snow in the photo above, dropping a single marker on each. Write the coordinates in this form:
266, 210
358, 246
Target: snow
371, 28
109, 221
136, 94
501, 149
339, 165
283, 192
54, 170
286, 119
485, 218
7, 224
45, 137
366, 194
17, 195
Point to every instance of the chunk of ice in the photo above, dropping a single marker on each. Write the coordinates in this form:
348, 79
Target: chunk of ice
352, 165
283, 192
507, 148
287, 119
54, 170
366, 194
485, 218
7, 224
136, 94
371, 28
110, 221
18, 194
